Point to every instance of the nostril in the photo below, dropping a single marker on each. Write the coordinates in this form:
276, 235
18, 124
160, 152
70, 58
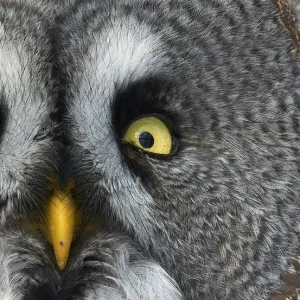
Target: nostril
44, 292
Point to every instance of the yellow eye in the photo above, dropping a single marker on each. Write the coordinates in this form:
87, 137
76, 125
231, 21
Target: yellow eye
150, 134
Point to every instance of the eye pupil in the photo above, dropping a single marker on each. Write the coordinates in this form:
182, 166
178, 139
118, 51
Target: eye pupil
146, 140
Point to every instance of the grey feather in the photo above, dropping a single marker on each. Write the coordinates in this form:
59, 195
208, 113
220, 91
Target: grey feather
219, 219
222, 214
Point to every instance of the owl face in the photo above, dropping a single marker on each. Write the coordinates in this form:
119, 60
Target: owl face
178, 122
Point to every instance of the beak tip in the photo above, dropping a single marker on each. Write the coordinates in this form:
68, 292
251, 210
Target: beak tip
61, 264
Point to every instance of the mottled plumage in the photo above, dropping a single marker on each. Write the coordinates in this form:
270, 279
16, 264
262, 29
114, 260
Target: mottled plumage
218, 219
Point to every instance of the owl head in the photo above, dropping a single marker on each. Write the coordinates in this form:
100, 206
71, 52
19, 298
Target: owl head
177, 124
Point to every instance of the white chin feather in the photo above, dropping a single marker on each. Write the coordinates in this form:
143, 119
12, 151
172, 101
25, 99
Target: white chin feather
147, 281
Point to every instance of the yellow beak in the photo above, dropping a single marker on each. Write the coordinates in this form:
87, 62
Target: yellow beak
61, 222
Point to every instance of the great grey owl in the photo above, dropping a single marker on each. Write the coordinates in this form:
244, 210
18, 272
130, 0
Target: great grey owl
178, 122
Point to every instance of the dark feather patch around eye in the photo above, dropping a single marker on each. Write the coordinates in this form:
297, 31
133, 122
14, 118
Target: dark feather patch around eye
3, 116
143, 97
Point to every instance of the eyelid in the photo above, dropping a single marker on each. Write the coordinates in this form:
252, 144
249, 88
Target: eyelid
131, 151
